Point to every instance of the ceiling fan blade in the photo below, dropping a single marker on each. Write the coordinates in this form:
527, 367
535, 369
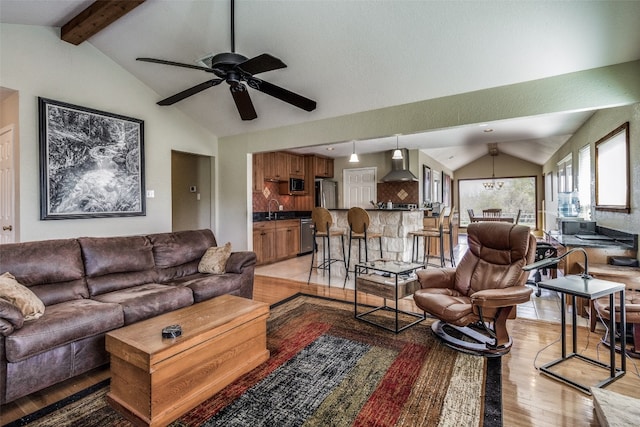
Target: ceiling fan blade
243, 101
282, 94
261, 64
188, 92
177, 64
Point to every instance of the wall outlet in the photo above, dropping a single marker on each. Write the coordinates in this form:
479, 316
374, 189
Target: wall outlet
151, 194
280, 207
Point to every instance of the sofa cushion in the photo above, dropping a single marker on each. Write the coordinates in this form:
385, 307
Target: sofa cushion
114, 263
145, 301
61, 324
27, 302
206, 286
52, 269
215, 259
181, 247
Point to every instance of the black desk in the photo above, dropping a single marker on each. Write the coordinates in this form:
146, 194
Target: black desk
576, 286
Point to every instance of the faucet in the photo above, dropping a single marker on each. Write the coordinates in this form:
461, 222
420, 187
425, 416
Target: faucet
269, 207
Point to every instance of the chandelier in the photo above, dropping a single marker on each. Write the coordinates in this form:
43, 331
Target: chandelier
493, 184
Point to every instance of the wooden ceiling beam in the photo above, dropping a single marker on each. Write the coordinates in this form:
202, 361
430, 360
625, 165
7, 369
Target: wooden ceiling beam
94, 18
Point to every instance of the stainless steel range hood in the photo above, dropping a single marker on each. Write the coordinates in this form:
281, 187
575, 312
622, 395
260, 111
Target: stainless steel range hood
399, 168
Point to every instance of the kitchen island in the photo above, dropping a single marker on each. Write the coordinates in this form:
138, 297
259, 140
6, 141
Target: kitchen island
394, 224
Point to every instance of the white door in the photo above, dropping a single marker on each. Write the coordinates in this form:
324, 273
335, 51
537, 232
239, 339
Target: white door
359, 187
7, 193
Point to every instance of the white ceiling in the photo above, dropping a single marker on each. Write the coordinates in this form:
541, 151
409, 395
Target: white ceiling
359, 55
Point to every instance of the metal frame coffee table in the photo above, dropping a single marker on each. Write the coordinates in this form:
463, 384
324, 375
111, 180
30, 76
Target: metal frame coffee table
390, 280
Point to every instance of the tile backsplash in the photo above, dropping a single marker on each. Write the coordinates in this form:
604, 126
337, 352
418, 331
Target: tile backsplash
270, 191
398, 192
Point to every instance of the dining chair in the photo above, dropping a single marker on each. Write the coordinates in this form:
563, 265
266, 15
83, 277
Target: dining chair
472, 216
494, 212
518, 216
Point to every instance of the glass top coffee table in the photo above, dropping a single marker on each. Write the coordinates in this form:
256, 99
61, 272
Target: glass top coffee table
392, 281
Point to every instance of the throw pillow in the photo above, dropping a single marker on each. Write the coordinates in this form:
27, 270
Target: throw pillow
20, 296
214, 259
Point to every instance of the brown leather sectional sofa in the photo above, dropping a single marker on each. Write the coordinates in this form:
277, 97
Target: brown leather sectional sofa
92, 285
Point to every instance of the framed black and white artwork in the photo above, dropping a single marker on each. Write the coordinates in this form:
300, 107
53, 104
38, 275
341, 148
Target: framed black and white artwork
91, 163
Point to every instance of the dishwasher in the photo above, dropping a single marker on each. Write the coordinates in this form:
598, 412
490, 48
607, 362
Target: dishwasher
306, 236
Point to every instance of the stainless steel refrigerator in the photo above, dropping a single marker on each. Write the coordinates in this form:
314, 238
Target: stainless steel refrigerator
327, 193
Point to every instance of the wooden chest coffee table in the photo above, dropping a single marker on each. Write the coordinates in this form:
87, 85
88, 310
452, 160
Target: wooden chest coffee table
154, 380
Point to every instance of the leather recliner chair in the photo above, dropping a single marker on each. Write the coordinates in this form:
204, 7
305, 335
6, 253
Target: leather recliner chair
474, 300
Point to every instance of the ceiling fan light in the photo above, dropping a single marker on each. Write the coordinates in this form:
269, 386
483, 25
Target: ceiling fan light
397, 154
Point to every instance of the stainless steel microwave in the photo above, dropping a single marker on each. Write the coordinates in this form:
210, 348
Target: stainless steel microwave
296, 184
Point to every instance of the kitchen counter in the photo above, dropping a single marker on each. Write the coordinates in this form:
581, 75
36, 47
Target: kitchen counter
280, 215
609, 239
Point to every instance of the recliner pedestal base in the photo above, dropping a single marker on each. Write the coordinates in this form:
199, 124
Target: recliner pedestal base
478, 344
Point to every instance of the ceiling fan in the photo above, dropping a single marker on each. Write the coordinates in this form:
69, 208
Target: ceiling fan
233, 68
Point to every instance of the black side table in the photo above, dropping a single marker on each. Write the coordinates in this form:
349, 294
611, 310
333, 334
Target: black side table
577, 286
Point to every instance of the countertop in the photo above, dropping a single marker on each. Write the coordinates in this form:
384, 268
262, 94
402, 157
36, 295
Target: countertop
280, 215
615, 239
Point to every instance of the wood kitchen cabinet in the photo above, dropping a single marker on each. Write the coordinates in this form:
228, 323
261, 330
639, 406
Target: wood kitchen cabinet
264, 238
287, 238
276, 240
296, 165
323, 167
258, 172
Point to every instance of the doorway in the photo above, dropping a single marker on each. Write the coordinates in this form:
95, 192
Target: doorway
7, 186
191, 191
360, 187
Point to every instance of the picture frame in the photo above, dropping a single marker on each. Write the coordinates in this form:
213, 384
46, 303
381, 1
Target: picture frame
446, 189
91, 163
426, 184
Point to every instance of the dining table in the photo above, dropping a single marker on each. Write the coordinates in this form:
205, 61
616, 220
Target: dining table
509, 219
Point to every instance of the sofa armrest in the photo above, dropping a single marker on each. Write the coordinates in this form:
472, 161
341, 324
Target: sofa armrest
495, 298
437, 278
11, 318
238, 261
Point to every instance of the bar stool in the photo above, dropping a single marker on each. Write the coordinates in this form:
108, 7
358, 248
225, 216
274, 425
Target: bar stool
448, 229
359, 222
427, 234
322, 222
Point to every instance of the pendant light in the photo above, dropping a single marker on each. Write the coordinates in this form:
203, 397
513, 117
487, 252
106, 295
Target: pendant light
354, 156
493, 184
397, 154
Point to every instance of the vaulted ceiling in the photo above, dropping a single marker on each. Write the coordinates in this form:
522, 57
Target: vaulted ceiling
353, 56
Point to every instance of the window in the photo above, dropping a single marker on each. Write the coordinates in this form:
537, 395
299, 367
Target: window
565, 175
584, 181
612, 171
516, 194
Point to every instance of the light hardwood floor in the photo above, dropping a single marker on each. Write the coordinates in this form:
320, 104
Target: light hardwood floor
529, 398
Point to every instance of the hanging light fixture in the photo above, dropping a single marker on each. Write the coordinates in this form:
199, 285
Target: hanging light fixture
354, 156
397, 154
493, 184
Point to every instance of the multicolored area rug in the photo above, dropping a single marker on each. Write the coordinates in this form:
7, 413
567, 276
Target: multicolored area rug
329, 369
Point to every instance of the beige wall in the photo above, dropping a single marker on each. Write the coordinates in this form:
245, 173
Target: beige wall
38, 64
190, 210
596, 127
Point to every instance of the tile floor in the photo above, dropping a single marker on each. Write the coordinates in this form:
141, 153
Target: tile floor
544, 307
